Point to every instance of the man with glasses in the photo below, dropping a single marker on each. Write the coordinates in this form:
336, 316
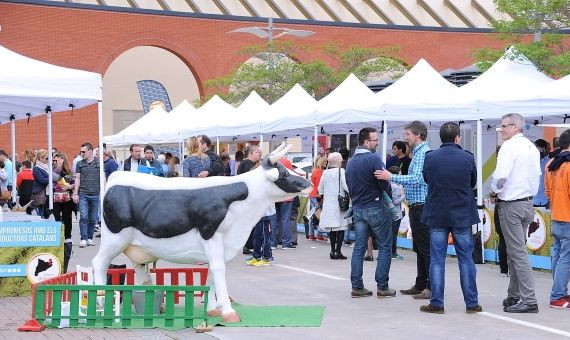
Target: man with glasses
416, 191
514, 183
370, 214
86, 194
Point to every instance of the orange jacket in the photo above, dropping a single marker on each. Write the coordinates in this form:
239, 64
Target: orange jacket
557, 189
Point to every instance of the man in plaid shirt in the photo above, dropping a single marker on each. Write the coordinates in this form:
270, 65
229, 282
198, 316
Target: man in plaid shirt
416, 192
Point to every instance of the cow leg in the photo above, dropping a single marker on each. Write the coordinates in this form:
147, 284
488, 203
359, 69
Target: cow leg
214, 250
213, 306
111, 246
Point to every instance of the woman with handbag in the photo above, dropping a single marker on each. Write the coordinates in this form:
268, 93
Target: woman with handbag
63, 181
41, 180
334, 190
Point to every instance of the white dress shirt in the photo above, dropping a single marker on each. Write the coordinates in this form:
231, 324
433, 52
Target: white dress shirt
517, 174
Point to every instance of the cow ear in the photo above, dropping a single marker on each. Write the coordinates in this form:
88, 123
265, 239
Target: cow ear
266, 163
272, 174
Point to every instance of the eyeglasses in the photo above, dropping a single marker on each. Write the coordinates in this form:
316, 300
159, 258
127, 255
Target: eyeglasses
506, 126
84, 151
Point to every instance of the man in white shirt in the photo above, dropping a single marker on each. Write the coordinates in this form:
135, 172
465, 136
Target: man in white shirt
515, 182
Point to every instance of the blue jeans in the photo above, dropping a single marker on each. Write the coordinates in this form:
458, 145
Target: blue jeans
374, 221
88, 215
262, 239
314, 203
282, 226
463, 242
560, 259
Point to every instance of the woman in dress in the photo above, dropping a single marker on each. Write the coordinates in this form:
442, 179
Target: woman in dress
333, 184
197, 162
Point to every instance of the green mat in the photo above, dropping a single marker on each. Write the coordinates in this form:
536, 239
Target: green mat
251, 316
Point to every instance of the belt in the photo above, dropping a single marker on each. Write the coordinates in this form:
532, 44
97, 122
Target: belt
416, 205
526, 199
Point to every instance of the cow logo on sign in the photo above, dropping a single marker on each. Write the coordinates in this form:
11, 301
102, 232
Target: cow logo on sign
43, 266
536, 233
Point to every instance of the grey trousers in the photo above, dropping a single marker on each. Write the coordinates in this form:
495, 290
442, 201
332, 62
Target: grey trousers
515, 218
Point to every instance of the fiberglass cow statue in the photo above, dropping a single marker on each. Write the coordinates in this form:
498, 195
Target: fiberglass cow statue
187, 220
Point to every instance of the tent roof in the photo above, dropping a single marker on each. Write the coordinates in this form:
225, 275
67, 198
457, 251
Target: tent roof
138, 132
29, 86
295, 109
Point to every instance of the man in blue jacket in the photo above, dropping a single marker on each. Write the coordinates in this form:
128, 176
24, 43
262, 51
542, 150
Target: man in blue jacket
451, 174
370, 214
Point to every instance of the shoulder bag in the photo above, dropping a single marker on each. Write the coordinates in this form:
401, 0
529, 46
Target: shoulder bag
343, 200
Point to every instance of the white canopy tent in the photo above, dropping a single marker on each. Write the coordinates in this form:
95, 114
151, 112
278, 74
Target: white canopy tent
30, 88
141, 131
249, 116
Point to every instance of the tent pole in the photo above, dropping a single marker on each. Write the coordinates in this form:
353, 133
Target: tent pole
315, 145
384, 141
13, 140
101, 162
50, 160
480, 180
261, 141
348, 141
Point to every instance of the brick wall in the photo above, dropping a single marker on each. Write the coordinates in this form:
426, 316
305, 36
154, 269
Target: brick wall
92, 39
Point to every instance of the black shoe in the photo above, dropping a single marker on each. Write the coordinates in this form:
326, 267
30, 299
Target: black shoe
246, 251
294, 244
98, 235
360, 292
411, 291
368, 258
333, 256
339, 256
474, 309
522, 307
432, 309
510, 301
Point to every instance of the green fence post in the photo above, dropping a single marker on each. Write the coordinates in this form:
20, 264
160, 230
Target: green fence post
169, 317
91, 306
40, 303
126, 311
148, 306
108, 309
189, 309
56, 308
74, 308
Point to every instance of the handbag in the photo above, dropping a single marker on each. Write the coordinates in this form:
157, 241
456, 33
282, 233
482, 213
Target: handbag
39, 198
343, 200
6, 195
61, 197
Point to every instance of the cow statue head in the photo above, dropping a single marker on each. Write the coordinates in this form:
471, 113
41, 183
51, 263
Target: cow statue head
287, 182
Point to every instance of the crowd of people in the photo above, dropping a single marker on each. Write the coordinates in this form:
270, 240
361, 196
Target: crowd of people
437, 185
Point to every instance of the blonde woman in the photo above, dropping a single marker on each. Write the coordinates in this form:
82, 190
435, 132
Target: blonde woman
332, 184
197, 163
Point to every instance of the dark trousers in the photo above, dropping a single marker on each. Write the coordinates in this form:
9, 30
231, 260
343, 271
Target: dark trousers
421, 246
395, 229
502, 245
262, 239
62, 212
336, 238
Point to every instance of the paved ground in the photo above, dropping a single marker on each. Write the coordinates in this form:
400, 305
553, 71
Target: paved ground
306, 276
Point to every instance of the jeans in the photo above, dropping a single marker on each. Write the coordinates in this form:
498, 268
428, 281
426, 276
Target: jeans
314, 203
262, 239
374, 221
463, 242
88, 215
560, 259
421, 245
282, 227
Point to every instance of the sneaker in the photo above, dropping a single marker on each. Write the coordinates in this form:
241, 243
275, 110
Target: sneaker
562, 303
388, 292
83, 244
424, 295
522, 307
432, 309
261, 262
474, 309
368, 258
397, 257
504, 274
510, 301
90, 243
411, 291
251, 261
291, 246
360, 292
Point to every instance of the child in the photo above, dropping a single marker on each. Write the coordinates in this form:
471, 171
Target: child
397, 198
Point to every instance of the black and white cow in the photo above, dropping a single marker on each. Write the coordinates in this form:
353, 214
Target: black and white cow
187, 220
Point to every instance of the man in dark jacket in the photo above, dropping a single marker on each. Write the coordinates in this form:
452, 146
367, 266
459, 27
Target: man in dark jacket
216, 163
132, 163
150, 162
451, 174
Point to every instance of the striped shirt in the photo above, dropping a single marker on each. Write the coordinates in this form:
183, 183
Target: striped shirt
88, 177
414, 184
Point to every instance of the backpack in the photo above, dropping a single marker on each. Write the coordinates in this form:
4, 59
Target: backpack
217, 164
